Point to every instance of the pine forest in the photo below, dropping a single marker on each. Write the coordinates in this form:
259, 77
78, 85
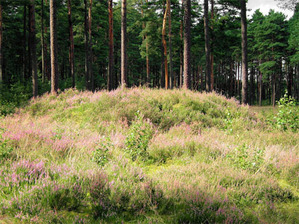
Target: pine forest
148, 111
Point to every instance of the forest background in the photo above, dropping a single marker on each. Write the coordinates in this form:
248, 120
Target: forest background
77, 146
84, 58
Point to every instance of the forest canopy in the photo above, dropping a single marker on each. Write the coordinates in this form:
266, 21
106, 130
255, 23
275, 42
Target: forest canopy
88, 35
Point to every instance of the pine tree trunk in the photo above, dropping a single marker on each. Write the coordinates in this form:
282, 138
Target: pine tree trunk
187, 44
165, 44
290, 80
42, 42
170, 47
90, 56
197, 79
24, 43
238, 79
261, 86
218, 84
111, 47
231, 89
252, 86
280, 82
87, 80
273, 89
62, 69
124, 44
33, 47
211, 52
244, 52
207, 44
29, 46
148, 81
201, 80
144, 38
53, 46
269, 91
71, 47
47, 66
1, 37
162, 78
296, 82
181, 49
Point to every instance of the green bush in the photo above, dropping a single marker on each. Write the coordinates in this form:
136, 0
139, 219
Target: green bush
244, 158
101, 154
12, 96
137, 140
287, 116
5, 150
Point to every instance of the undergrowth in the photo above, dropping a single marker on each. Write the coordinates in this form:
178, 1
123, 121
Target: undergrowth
148, 156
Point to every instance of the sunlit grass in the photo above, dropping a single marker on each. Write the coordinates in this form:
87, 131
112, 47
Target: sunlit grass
83, 157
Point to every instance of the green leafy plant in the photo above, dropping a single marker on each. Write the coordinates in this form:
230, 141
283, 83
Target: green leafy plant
101, 154
5, 150
246, 159
287, 116
137, 140
228, 121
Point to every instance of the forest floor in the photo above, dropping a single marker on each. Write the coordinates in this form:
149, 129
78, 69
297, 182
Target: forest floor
146, 156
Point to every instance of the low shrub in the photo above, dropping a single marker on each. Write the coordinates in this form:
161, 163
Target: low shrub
287, 117
5, 149
140, 133
132, 191
245, 158
33, 187
101, 154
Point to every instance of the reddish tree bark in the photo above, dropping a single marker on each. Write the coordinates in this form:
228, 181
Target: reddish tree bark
171, 80
24, 42
207, 44
164, 42
147, 60
181, 49
110, 80
33, 47
1, 56
212, 55
90, 56
86, 45
71, 47
124, 44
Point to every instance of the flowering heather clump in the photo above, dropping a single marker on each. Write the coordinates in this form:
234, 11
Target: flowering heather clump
131, 190
187, 157
31, 185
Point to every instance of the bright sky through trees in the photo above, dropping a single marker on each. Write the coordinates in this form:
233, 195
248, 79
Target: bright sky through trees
265, 6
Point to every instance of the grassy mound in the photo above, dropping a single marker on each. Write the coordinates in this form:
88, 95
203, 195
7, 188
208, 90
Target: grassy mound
145, 156
165, 109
